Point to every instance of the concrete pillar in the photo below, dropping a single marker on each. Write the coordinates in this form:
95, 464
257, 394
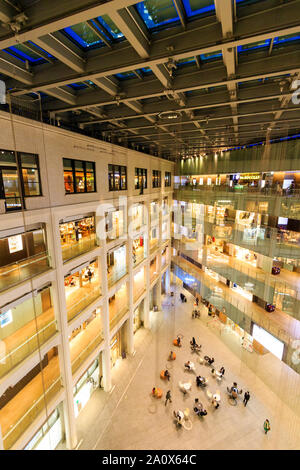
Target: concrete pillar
130, 293
59, 302
147, 297
106, 365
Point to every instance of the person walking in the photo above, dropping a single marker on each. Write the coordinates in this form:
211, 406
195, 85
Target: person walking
246, 398
168, 397
267, 426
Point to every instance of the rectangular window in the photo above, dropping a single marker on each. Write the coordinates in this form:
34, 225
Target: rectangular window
167, 179
30, 174
79, 176
156, 179
19, 178
140, 178
117, 178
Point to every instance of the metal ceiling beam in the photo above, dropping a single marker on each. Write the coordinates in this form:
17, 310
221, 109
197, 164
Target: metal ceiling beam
98, 33
107, 84
197, 80
155, 108
132, 31
224, 12
181, 12
62, 95
194, 41
10, 66
6, 12
52, 44
53, 16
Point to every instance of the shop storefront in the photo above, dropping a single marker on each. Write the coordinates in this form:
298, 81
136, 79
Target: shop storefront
243, 254
22, 244
78, 231
115, 348
85, 387
136, 320
116, 259
138, 250
114, 224
49, 435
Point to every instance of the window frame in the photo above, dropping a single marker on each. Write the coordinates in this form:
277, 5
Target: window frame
140, 173
113, 170
85, 170
168, 179
156, 178
21, 166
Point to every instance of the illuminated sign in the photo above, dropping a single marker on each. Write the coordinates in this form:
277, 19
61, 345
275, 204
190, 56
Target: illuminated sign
250, 176
5, 318
15, 243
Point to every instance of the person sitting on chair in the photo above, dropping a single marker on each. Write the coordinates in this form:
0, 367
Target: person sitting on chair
193, 342
167, 374
222, 371
171, 356
178, 341
188, 365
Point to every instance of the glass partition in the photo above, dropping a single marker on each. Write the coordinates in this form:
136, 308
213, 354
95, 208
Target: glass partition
77, 237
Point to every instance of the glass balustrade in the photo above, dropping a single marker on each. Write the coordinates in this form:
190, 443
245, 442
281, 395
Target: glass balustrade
86, 351
20, 271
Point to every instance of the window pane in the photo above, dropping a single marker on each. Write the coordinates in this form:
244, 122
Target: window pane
79, 177
31, 182
68, 176
110, 178
123, 178
117, 177
90, 181
7, 158
28, 161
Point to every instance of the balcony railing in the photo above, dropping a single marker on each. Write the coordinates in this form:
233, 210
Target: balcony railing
116, 274
86, 299
15, 273
115, 320
138, 258
138, 291
84, 354
83, 245
17, 429
26, 347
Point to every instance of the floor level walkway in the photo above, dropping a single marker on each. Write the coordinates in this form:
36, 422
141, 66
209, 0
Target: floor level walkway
129, 418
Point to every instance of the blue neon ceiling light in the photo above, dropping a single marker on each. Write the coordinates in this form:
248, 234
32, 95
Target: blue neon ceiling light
192, 7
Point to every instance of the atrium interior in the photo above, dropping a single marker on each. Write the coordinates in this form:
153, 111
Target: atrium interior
150, 225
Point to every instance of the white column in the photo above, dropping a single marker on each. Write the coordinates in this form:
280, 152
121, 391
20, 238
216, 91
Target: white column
158, 293
106, 364
130, 293
60, 308
147, 297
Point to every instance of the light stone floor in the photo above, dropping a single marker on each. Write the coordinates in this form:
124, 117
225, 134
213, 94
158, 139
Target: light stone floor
129, 418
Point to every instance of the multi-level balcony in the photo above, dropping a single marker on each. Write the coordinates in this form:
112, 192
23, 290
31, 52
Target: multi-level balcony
138, 216
22, 257
118, 306
139, 251
154, 213
26, 324
239, 308
153, 241
114, 224
154, 269
24, 402
264, 200
77, 237
139, 284
116, 265
82, 288
85, 339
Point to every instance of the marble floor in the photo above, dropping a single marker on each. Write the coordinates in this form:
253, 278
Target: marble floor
130, 418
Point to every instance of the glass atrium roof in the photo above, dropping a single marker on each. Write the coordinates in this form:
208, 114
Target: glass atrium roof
24, 52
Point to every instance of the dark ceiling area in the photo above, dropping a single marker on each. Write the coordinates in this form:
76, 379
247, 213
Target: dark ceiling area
172, 78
